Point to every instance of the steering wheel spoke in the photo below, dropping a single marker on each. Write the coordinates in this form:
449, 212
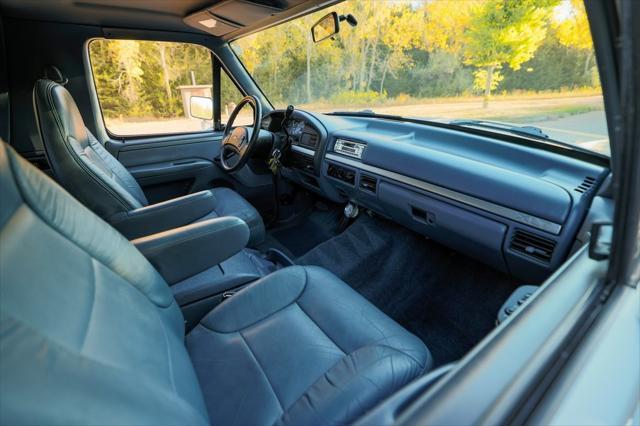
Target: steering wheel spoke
238, 142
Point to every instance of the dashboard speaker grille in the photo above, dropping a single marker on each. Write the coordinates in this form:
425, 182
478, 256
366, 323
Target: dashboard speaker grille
586, 185
532, 245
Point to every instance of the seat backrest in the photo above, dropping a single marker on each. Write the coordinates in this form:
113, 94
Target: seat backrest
78, 160
89, 331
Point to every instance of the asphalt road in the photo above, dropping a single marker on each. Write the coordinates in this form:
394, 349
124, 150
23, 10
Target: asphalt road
588, 130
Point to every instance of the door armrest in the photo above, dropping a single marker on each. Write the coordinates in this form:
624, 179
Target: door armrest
165, 215
185, 251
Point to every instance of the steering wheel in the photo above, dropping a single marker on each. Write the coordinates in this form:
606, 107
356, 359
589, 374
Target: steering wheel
238, 143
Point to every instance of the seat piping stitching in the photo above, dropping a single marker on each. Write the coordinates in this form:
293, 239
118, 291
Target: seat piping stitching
294, 301
246, 343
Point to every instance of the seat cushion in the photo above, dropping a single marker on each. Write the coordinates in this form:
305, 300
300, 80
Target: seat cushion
89, 331
300, 347
230, 203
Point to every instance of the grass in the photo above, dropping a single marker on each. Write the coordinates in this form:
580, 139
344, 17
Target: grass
406, 99
521, 106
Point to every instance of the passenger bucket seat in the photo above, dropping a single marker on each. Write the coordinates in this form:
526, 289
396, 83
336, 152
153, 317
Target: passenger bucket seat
97, 179
90, 333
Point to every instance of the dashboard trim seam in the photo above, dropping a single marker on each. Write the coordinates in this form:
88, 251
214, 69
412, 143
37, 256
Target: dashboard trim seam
512, 214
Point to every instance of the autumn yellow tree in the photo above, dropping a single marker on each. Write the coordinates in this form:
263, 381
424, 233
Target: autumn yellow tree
445, 23
504, 32
573, 31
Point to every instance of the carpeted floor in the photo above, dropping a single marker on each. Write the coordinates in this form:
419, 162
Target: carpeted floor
311, 229
448, 300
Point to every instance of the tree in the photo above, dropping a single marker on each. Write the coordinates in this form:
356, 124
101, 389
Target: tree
573, 31
402, 32
504, 32
445, 23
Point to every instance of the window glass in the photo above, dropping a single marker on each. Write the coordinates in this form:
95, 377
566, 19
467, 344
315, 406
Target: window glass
145, 87
523, 63
230, 97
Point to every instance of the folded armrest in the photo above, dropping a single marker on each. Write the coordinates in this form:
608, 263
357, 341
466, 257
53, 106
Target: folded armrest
165, 215
185, 251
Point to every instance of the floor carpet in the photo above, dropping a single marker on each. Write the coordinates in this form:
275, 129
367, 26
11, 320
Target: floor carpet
448, 300
311, 229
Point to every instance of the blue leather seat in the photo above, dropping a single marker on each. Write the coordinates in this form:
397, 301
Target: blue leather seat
91, 174
90, 333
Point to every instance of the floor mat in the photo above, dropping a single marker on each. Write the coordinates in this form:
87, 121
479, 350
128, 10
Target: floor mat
448, 300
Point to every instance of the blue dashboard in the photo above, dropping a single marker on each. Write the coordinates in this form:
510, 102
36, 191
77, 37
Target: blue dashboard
517, 208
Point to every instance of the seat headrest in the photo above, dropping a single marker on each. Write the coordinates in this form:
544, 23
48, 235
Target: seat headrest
53, 73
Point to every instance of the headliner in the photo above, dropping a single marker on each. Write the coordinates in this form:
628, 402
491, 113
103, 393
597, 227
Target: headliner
163, 15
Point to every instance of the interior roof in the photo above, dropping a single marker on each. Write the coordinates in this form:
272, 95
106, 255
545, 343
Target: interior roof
163, 15
144, 14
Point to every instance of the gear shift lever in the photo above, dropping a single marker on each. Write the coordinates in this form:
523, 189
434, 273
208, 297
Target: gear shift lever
350, 212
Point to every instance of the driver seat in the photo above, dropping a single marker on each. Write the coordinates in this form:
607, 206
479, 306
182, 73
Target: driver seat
90, 173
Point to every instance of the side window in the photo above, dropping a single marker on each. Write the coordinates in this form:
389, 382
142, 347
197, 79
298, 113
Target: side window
153, 88
230, 96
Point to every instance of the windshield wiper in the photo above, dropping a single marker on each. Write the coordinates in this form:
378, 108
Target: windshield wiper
367, 113
496, 125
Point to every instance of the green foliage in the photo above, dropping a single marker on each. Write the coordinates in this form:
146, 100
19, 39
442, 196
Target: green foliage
364, 98
505, 32
424, 49
133, 80
433, 75
480, 78
399, 50
554, 67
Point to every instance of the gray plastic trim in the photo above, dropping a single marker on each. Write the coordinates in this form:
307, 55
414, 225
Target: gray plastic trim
515, 215
302, 150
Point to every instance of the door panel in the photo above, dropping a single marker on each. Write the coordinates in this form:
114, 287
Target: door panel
171, 166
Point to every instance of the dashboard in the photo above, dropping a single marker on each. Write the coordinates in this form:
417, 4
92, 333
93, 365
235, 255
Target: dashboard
515, 207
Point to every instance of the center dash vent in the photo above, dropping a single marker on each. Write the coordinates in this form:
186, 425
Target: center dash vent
532, 245
368, 183
586, 185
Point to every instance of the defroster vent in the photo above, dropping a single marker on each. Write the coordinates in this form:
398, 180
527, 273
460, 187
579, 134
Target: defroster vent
586, 185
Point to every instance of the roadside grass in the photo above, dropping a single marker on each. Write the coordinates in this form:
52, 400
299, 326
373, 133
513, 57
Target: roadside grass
515, 106
407, 99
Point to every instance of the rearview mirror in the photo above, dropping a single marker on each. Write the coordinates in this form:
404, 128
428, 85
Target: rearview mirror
326, 27
201, 107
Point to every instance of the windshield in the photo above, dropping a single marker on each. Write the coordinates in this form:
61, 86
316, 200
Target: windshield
526, 63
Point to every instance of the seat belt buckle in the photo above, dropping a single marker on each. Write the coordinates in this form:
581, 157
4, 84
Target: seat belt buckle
227, 294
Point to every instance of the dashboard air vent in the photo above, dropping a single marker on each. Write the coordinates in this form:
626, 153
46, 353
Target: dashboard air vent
586, 185
532, 245
368, 183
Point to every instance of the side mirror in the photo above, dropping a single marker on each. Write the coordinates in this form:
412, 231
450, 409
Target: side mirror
201, 107
327, 26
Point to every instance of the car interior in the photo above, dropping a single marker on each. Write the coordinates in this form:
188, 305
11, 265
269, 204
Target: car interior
304, 268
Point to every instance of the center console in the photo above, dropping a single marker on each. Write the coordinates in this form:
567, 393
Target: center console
304, 144
307, 136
